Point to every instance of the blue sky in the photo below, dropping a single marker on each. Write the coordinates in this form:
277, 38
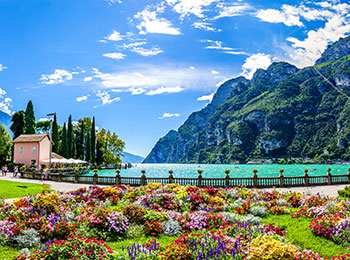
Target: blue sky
141, 67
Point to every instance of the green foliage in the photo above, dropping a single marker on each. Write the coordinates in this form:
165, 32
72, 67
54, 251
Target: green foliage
64, 142
135, 231
18, 123
5, 145
135, 214
70, 138
10, 189
110, 146
55, 136
29, 119
345, 193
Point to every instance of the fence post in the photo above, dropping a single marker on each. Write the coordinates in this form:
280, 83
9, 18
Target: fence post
227, 179
329, 176
171, 177
348, 177
306, 177
117, 177
255, 178
200, 177
281, 178
143, 178
95, 178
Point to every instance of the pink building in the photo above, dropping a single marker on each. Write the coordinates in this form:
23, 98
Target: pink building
32, 149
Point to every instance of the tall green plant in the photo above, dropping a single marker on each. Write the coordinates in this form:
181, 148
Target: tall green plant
18, 124
93, 141
64, 142
70, 137
55, 137
29, 119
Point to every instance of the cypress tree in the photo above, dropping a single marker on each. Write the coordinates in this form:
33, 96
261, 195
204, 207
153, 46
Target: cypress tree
29, 119
80, 142
55, 137
88, 148
98, 152
93, 141
18, 124
70, 137
64, 146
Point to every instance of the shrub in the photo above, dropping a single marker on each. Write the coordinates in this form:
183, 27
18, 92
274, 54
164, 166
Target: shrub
4, 240
176, 252
74, 248
48, 203
29, 238
345, 192
230, 217
281, 202
269, 248
135, 214
153, 228
135, 231
154, 215
277, 210
259, 211
171, 227
251, 219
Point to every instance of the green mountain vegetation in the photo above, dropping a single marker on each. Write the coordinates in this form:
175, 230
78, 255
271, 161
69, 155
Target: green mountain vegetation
282, 111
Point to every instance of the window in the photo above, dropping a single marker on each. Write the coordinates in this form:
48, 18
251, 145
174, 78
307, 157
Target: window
33, 149
21, 149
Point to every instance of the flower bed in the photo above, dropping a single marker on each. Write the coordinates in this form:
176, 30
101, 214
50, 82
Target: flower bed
203, 223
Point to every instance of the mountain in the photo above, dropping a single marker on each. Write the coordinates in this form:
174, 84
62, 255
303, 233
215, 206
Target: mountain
131, 158
5, 119
282, 111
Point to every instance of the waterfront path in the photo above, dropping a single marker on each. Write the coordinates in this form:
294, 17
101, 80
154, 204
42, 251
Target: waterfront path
327, 190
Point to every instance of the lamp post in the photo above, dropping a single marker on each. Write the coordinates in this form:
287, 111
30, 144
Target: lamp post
50, 134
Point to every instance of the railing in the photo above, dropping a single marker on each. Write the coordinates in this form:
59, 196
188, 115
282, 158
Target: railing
255, 181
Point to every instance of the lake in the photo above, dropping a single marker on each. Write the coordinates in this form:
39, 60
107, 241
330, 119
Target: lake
217, 170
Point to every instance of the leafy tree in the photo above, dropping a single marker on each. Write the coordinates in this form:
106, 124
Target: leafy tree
29, 119
64, 142
93, 141
5, 145
88, 148
99, 151
55, 137
18, 124
43, 126
70, 137
111, 146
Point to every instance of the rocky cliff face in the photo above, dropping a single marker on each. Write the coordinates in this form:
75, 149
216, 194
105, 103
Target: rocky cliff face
281, 112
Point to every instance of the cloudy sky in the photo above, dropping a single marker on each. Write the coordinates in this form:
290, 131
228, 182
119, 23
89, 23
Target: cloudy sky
141, 67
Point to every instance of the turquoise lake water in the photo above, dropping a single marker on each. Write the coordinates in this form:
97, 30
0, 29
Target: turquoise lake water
217, 170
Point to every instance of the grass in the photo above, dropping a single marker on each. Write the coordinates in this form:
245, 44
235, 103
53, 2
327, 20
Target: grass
300, 235
7, 253
10, 189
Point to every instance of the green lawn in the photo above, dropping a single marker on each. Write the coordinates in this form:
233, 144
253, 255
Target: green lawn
11, 189
300, 235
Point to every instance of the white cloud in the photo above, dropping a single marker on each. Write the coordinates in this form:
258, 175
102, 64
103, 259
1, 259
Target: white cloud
217, 45
151, 23
43, 119
133, 44
112, 2
105, 97
163, 90
214, 72
205, 26
192, 68
83, 98
86, 79
187, 7
5, 102
155, 77
305, 52
114, 36
289, 16
155, 50
59, 76
137, 91
206, 98
232, 10
115, 55
2, 67
254, 62
167, 115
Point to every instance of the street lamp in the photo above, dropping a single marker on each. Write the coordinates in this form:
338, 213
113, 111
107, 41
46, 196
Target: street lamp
50, 134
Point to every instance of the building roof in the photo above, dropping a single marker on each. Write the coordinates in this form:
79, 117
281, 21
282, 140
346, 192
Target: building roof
33, 138
56, 156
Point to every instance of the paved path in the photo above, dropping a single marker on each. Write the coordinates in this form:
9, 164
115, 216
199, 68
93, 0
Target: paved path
327, 190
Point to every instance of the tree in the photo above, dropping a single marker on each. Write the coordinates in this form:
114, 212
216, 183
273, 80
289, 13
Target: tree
29, 119
70, 137
111, 147
99, 151
88, 148
5, 145
64, 143
43, 126
55, 137
79, 141
93, 141
18, 124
